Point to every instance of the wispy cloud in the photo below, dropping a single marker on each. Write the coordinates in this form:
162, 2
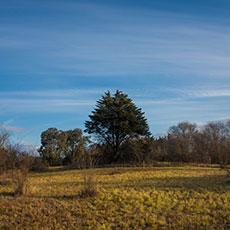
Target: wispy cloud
66, 100
52, 93
210, 93
7, 127
202, 92
74, 99
13, 129
96, 47
131, 42
46, 105
227, 118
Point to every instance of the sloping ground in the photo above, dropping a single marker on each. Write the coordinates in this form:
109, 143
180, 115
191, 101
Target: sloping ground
128, 198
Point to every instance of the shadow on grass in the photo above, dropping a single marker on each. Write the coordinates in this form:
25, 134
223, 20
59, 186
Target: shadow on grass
216, 183
64, 197
112, 170
53, 169
211, 183
6, 194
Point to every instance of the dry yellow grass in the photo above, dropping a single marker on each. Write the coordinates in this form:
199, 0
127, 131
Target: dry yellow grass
19, 180
129, 198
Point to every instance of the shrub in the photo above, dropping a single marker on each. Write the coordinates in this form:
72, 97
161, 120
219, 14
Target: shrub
22, 186
12, 157
89, 188
38, 165
19, 179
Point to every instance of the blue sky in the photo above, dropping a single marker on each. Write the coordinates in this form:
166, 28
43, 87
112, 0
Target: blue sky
58, 57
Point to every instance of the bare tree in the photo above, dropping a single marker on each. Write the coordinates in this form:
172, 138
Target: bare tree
217, 140
12, 156
181, 140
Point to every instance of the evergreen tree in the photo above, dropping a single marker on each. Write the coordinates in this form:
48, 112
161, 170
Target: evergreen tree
116, 119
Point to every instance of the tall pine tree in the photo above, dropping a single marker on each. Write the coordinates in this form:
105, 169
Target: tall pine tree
116, 119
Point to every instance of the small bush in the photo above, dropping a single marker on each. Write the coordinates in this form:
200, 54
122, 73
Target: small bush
23, 186
19, 179
90, 188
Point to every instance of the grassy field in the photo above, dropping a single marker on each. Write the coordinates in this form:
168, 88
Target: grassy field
128, 198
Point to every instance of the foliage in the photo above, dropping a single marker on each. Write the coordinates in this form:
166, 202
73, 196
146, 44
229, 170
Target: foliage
50, 149
68, 147
115, 120
76, 148
185, 142
137, 150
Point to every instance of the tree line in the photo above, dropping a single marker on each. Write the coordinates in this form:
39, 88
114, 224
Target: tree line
185, 142
118, 133
121, 135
